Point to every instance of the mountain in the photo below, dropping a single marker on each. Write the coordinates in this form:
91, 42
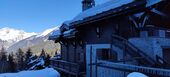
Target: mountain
9, 36
36, 43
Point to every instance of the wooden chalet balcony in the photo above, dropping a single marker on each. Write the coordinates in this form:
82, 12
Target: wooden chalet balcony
67, 67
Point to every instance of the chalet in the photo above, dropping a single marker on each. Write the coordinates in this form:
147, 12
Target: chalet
116, 38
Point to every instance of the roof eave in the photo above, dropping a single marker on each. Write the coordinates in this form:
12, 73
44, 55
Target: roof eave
54, 37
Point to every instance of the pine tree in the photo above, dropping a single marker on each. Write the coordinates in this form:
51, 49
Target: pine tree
32, 61
56, 53
3, 54
28, 56
40, 62
47, 60
4, 64
12, 64
20, 59
43, 54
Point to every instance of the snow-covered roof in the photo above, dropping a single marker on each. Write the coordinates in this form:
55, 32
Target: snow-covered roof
55, 34
65, 26
70, 33
101, 8
112, 4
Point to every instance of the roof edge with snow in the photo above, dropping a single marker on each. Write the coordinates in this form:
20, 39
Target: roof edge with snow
113, 7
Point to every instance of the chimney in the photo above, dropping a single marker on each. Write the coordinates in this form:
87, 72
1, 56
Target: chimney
86, 4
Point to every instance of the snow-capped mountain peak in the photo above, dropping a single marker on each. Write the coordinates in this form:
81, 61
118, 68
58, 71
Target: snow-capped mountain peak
13, 39
10, 34
36, 42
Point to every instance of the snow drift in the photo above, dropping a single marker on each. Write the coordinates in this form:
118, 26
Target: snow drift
136, 74
48, 72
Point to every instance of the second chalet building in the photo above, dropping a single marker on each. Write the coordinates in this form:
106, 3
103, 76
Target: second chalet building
116, 38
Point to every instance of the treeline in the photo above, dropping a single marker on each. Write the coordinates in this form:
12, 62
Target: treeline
22, 61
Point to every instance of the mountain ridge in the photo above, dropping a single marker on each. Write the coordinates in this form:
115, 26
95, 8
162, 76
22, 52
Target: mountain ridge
9, 36
26, 40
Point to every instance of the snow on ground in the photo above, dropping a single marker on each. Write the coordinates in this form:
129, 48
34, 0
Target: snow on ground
48, 72
136, 74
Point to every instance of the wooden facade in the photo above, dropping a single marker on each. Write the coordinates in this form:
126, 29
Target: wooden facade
89, 46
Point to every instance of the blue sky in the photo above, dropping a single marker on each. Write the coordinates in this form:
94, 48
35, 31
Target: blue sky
38, 15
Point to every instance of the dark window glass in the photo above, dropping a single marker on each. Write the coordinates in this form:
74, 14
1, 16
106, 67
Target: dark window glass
80, 57
106, 54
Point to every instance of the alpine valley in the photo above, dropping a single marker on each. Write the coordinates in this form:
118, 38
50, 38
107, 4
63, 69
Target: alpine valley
13, 39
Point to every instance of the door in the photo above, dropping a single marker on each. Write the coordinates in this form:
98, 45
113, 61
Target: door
91, 58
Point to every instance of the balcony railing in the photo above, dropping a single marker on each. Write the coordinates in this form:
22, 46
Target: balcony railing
167, 34
67, 67
134, 68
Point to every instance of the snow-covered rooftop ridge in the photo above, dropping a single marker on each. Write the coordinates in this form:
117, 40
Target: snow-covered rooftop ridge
69, 31
55, 33
101, 8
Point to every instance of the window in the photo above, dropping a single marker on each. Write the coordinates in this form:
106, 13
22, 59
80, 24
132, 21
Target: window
106, 54
80, 57
151, 33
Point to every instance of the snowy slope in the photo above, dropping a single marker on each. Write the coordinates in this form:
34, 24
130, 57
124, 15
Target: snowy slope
36, 40
48, 72
9, 36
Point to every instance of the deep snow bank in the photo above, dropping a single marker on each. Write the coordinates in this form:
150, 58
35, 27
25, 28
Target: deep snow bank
48, 72
136, 74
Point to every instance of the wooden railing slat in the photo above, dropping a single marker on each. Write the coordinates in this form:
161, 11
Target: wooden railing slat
66, 66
